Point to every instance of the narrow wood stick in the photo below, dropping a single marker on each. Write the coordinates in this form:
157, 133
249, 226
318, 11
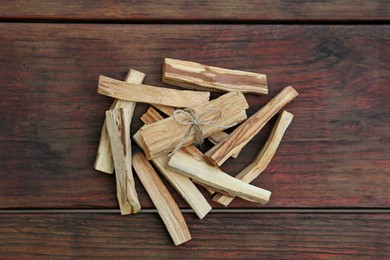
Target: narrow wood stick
182, 184
162, 199
118, 126
263, 158
103, 160
194, 75
150, 94
247, 130
166, 134
151, 116
214, 139
220, 181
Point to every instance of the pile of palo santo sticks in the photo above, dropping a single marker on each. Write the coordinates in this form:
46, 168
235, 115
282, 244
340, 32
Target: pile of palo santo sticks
169, 142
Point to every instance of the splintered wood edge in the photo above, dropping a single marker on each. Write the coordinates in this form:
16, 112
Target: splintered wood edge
118, 124
263, 158
104, 162
162, 199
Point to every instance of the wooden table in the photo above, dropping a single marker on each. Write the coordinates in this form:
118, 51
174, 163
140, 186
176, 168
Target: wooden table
330, 177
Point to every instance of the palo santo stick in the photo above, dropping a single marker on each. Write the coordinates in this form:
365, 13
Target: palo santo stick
183, 185
162, 199
118, 124
246, 131
149, 94
263, 158
161, 162
103, 160
214, 139
194, 75
165, 135
215, 178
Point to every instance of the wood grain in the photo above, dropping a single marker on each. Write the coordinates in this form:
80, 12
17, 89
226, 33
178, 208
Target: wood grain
150, 94
162, 199
262, 236
246, 10
169, 134
103, 160
334, 154
193, 75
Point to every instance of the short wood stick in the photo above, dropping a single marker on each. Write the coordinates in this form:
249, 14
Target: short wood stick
263, 158
198, 76
150, 94
103, 160
118, 126
247, 130
162, 199
215, 178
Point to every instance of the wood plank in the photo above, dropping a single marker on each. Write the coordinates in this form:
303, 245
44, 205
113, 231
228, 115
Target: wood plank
246, 10
334, 154
264, 236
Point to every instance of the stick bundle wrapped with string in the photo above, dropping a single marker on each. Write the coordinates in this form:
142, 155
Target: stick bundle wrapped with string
188, 126
196, 122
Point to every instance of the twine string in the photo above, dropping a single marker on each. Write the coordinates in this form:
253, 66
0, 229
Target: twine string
196, 122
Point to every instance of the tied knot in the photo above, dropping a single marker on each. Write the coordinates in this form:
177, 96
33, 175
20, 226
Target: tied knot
196, 121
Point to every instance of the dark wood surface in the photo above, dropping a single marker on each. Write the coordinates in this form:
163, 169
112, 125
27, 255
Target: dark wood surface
233, 236
210, 10
334, 156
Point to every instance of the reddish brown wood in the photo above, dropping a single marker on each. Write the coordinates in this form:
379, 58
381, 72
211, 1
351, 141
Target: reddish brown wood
246, 10
334, 154
259, 236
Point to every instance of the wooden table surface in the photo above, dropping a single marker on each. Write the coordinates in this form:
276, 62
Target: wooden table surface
330, 177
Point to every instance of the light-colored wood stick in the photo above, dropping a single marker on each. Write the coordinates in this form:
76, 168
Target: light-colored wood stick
263, 158
220, 181
103, 160
166, 134
162, 199
151, 116
214, 139
118, 126
198, 76
149, 94
247, 130
182, 184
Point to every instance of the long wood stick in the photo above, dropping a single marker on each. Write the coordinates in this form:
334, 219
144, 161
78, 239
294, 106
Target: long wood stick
162, 199
203, 77
220, 181
103, 160
165, 135
182, 184
263, 158
118, 124
149, 94
247, 130
214, 139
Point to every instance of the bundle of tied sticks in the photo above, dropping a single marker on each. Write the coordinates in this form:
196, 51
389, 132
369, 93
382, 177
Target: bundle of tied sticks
169, 143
